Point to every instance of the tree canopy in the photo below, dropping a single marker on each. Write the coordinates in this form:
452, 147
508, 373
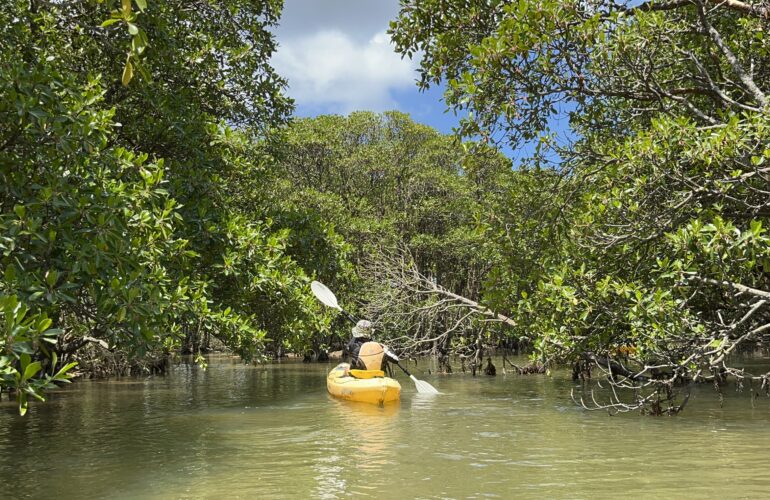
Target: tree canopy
661, 204
121, 225
387, 185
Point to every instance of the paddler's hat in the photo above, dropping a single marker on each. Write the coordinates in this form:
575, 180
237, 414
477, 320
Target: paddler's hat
363, 329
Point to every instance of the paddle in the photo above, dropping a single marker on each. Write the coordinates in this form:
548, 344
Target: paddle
326, 296
421, 385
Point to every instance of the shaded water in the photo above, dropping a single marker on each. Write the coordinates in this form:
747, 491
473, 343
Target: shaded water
272, 431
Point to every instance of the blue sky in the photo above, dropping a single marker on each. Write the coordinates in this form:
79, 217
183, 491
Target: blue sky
338, 58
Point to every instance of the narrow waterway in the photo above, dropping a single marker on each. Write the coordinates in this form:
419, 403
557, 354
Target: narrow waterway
241, 431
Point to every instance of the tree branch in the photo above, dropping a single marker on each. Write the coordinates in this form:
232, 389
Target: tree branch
735, 64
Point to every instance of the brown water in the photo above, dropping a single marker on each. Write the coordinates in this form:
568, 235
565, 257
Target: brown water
241, 431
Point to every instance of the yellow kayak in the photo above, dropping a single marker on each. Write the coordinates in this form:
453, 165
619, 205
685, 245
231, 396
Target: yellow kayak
367, 386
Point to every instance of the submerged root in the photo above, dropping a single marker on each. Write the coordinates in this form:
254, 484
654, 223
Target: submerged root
490, 368
660, 400
528, 369
97, 362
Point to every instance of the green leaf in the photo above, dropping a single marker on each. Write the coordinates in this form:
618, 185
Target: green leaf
31, 370
109, 22
128, 72
43, 324
138, 44
10, 273
21, 398
142, 4
24, 360
132, 29
61, 375
24, 348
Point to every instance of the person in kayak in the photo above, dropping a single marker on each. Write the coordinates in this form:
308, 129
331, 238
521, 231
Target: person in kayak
362, 333
366, 354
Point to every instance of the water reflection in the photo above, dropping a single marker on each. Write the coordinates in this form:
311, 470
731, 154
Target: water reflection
372, 430
363, 447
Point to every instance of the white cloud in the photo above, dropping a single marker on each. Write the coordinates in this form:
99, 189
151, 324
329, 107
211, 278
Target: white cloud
328, 70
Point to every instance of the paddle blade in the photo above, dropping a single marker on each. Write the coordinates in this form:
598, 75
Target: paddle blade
325, 295
423, 387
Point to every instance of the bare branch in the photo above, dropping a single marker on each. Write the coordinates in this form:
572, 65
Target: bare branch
735, 64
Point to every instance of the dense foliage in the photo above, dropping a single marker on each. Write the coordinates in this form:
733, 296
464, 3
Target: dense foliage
660, 207
387, 185
122, 227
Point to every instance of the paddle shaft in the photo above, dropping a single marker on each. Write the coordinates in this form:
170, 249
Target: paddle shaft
349, 316
402, 368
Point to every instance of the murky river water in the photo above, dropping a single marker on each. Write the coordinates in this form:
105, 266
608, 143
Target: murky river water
239, 431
